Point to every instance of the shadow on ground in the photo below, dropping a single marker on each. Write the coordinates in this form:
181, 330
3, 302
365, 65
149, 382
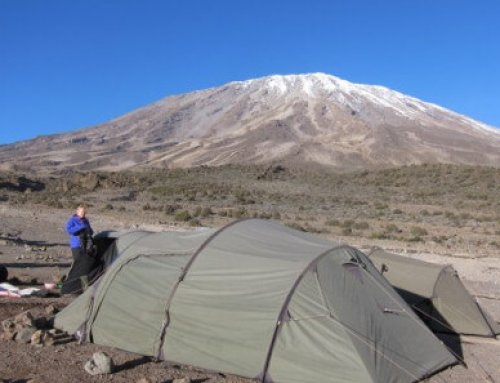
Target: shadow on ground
20, 241
25, 265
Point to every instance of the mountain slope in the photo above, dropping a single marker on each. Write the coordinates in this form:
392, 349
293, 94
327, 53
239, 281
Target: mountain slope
313, 118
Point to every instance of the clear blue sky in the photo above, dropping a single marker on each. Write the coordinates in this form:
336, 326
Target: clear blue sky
68, 64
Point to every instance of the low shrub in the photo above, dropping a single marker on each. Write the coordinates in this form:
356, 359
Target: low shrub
392, 228
361, 225
108, 206
183, 216
418, 231
332, 222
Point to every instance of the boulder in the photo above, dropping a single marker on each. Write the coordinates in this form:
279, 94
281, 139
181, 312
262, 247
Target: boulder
8, 325
101, 363
51, 310
24, 319
24, 335
9, 335
37, 337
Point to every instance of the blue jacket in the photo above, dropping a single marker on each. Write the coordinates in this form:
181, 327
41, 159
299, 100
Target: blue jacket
74, 227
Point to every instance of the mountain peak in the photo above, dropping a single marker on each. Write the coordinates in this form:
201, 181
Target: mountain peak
307, 82
352, 95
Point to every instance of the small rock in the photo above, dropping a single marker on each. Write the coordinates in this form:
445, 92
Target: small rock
51, 310
8, 325
143, 380
24, 319
37, 337
24, 335
101, 363
49, 339
182, 380
9, 335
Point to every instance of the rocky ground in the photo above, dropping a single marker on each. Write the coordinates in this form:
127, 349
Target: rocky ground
33, 247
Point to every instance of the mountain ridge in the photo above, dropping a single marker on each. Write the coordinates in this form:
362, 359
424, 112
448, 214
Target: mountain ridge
311, 118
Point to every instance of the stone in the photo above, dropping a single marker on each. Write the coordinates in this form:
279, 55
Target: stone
182, 380
8, 325
51, 310
101, 363
37, 337
24, 335
25, 319
143, 380
49, 339
9, 335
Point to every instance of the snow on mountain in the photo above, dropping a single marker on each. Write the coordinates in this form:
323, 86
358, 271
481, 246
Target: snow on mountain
355, 95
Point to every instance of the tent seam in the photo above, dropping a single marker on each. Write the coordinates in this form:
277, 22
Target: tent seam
91, 319
166, 321
442, 271
120, 268
286, 303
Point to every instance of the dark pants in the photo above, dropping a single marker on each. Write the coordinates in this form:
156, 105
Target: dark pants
83, 268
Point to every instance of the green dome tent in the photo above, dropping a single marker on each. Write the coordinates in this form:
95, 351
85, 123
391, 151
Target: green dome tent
436, 293
259, 300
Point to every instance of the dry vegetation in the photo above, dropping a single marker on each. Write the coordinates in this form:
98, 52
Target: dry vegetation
439, 212
448, 207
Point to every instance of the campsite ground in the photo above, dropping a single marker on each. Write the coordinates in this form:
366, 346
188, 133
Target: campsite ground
457, 226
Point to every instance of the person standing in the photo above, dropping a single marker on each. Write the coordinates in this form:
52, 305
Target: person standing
82, 249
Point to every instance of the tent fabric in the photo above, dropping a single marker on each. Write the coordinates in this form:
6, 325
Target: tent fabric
259, 300
437, 294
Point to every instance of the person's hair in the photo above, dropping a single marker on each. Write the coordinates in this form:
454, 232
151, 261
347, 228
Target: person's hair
81, 206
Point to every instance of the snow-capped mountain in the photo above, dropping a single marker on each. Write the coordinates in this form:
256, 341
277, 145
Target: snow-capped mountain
313, 118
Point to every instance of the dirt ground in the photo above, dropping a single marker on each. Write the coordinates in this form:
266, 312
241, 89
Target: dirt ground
33, 247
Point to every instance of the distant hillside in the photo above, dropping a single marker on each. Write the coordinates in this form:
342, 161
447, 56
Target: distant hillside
450, 208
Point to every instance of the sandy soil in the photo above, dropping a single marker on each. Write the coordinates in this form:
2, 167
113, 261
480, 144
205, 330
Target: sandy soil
33, 246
